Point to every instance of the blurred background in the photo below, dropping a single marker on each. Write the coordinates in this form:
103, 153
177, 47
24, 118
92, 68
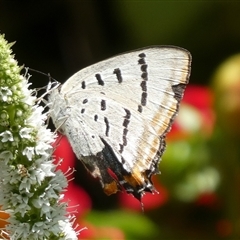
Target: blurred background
199, 185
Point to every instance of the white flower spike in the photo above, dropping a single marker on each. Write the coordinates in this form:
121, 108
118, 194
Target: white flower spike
31, 188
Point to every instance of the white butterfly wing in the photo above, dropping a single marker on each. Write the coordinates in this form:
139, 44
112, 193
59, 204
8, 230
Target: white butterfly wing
118, 111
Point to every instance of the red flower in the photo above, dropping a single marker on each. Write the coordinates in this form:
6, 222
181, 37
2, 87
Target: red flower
208, 199
196, 113
63, 151
78, 200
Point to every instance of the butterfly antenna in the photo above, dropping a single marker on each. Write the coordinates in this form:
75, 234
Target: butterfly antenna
45, 74
50, 86
64, 119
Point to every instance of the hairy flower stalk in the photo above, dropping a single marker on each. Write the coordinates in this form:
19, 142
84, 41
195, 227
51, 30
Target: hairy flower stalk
30, 187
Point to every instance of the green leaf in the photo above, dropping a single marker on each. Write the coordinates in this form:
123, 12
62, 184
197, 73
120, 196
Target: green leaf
134, 225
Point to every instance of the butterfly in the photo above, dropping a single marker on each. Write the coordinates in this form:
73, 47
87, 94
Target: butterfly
116, 114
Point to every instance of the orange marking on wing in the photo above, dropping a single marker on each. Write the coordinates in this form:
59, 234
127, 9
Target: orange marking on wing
160, 122
145, 161
110, 188
135, 179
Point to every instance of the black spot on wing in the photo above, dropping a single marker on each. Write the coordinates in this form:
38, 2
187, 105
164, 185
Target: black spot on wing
117, 71
83, 85
140, 108
143, 84
103, 105
99, 79
144, 67
144, 76
124, 140
128, 113
178, 91
125, 131
126, 121
123, 160
144, 99
121, 148
107, 126
141, 59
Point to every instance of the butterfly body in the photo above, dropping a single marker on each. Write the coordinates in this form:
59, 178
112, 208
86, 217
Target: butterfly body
116, 114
